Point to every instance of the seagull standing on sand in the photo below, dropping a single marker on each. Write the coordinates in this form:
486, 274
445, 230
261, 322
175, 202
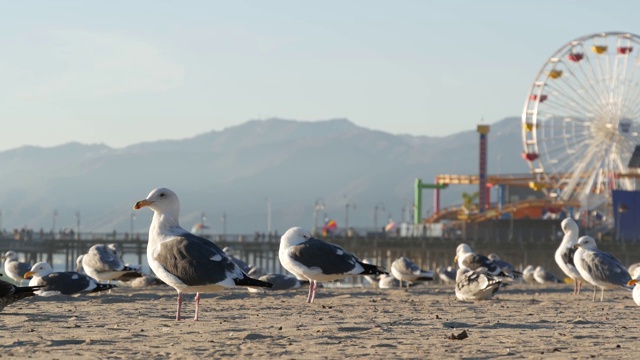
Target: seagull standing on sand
475, 284
62, 283
599, 268
10, 293
404, 269
565, 253
316, 260
186, 262
14, 268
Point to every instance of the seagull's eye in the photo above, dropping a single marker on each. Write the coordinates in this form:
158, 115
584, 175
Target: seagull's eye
161, 194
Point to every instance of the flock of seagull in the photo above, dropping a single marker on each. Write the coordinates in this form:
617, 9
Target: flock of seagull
191, 264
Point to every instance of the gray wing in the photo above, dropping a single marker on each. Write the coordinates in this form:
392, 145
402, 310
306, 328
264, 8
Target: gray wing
329, 258
196, 261
605, 267
405, 266
67, 283
100, 258
480, 261
280, 282
241, 264
17, 267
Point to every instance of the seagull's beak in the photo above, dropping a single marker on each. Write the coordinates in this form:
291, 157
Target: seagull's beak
142, 203
632, 282
576, 246
455, 259
29, 274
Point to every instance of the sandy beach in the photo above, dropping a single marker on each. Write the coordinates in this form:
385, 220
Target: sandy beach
522, 321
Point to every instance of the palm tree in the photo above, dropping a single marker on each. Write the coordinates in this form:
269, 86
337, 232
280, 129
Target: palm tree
468, 200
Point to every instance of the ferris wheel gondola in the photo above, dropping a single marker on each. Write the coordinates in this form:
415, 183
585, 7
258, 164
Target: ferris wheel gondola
581, 119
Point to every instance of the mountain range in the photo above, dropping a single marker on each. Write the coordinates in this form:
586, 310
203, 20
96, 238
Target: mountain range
241, 171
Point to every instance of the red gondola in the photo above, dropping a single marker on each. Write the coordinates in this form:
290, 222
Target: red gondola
624, 50
575, 57
530, 156
543, 97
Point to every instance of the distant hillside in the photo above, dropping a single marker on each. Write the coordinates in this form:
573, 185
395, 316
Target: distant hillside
235, 170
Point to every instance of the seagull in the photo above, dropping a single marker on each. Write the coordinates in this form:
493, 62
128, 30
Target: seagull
316, 260
389, 282
475, 284
544, 277
14, 268
62, 283
187, 262
634, 270
467, 259
636, 290
241, 264
599, 268
102, 264
565, 253
404, 269
506, 267
527, 274
10, 293
279, 281
447, 275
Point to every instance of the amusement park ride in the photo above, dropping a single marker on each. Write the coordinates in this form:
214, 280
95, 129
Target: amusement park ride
580, 127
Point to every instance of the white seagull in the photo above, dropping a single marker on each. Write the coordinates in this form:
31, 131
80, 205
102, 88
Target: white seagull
14, 268
186, 262
542, 276
565, 253
599, 268
404, 269
475, 284
447, 275
316, 260
62, 283
636, 290
467, 259
527, 274
102, 264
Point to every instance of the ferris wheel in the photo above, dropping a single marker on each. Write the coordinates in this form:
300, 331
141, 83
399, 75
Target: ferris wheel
581, 119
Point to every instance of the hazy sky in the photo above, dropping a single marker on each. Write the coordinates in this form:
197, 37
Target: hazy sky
123, 72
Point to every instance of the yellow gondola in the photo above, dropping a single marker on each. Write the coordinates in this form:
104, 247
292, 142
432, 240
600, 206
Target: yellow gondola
599, 49
555, 74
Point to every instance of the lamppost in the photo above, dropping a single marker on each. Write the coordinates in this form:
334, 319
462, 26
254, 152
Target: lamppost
378, 206
223, 219
268, 199
350, 203
77, 215
319, 205
132, 218
53, 226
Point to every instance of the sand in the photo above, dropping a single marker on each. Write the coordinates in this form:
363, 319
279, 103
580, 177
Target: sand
523, 321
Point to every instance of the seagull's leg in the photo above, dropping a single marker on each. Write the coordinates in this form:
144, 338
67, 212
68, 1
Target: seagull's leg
197, 306
595, 289
179, 306
313, 293
601, 294
575, 287
579, 286
310, 288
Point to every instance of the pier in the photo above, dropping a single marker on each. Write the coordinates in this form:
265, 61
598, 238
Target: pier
525, 245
